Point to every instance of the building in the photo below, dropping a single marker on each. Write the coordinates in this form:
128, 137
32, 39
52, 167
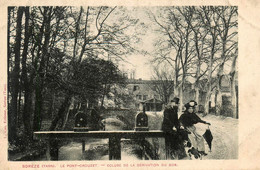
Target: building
144, 92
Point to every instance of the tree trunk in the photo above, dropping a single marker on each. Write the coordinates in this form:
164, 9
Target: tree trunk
9, 51
234, 91
27, 114
41, 72
181, 99
197, 95
196, 84
19, 116
208, 95
12, 116
61, 112
181, 92
234, 97
219, 78
176, 90
52, 107
103, 96
27, 92
66, 116
37, 120
218, 101
209, 90
210, 64
77, 31
176, 83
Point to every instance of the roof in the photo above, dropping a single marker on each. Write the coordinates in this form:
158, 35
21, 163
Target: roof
153, 100
140, 81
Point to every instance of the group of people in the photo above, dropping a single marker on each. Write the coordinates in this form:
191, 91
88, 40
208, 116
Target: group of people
172, 125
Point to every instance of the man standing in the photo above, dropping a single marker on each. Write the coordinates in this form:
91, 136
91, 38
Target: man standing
171, 126
170, 117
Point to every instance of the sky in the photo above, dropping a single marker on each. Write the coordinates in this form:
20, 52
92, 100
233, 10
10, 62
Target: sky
138, 62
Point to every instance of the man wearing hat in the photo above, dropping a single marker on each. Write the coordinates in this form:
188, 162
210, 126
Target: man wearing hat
171, 126
188, 119
170, 119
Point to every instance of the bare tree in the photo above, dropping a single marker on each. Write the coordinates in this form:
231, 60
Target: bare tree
202, 39
227, 30
41, 71
185, 28
199, 37
12, 116
24, 78
177, 33
233, 85
163, 83
210, 21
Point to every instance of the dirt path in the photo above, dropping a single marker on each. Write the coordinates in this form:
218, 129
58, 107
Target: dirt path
225, 137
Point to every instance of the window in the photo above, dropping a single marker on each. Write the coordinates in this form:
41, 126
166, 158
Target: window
145, 97
153, 88
139, 97
136, 88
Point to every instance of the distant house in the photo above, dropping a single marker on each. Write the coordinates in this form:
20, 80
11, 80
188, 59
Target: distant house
144, 91
153, 105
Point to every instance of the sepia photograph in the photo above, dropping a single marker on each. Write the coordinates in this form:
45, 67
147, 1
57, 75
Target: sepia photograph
122, 83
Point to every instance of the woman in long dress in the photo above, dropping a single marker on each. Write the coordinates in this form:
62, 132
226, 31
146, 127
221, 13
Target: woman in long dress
187, 120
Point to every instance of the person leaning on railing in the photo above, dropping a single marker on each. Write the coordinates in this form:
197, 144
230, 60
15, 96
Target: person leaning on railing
171, 126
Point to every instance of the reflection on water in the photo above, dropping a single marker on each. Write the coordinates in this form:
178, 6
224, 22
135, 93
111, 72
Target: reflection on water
98, 150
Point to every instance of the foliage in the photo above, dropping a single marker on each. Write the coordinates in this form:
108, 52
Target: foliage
65, 54
91, 77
